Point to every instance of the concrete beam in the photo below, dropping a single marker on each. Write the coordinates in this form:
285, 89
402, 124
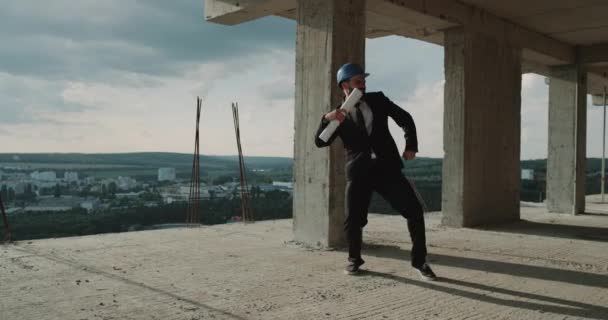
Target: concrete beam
567, 140
232, 12
489, 24
598, 100
597, 77
423, 20
596, 82
596, 54
481, 139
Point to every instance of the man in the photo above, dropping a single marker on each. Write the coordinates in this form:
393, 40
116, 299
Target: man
374, 164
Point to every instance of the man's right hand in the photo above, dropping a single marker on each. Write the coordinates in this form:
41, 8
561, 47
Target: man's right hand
336, 115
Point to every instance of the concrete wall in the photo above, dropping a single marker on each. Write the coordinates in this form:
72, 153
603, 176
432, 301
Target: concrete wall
567, 140
482, 124
329, 33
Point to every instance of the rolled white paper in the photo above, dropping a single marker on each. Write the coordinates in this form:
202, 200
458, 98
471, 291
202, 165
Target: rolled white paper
348, 106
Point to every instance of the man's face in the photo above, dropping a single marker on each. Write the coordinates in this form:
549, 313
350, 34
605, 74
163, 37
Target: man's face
357, 81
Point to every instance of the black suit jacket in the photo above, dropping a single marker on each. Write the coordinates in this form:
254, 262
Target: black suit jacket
359, 144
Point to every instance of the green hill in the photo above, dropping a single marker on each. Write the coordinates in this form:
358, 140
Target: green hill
141, 165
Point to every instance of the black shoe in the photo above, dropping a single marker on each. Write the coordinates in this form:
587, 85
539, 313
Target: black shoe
353, 267
426, 273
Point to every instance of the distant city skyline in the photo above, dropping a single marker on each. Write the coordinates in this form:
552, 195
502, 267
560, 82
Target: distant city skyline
126, 80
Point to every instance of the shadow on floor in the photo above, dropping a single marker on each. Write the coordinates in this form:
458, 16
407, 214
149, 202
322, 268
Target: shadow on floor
596, 213
541, 304
553, 230
513, 269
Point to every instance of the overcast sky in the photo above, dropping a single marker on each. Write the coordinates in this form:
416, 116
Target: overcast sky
123, 76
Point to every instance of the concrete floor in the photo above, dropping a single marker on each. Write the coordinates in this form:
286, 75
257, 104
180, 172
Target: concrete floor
547, 266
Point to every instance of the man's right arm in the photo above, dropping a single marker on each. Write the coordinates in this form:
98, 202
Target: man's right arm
325, 120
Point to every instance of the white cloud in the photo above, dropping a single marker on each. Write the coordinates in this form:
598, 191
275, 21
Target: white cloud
534, 117
595, 116
426, 107
158, 113
535, 120
126, 79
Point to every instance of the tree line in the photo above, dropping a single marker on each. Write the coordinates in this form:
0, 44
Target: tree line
78, 222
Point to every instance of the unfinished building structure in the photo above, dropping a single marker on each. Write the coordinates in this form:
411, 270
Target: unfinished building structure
488, 45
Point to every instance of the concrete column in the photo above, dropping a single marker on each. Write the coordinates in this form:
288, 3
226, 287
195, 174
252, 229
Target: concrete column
567, 140
482, 124
329, 33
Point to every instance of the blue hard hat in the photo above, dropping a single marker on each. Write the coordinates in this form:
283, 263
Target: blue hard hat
348, 71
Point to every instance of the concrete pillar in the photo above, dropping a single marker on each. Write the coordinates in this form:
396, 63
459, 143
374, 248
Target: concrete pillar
567, 140
482, 124
329, 33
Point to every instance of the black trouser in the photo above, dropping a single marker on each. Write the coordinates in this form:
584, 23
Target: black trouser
395, 188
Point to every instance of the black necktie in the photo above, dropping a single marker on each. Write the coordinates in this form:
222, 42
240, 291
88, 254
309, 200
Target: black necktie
360, 120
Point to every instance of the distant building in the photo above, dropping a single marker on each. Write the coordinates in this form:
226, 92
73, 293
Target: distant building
183, 190
168, 199
44, 184
17, 176
126, 183
107, 182
527, 174
44, 176
90, 205
213, 192
274, 187
166, 174
51, 203
41, 208
232, 185
267, 187
129, 195
19, 187
174, 193
283, 184
13, 210
70, 176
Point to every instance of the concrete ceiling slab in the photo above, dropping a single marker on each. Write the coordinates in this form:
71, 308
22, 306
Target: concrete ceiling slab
513, 9
547, 30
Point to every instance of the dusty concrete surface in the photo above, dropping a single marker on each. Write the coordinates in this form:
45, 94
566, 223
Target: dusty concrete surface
546, 266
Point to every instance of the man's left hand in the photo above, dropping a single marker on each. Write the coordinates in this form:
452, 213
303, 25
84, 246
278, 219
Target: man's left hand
409, 155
